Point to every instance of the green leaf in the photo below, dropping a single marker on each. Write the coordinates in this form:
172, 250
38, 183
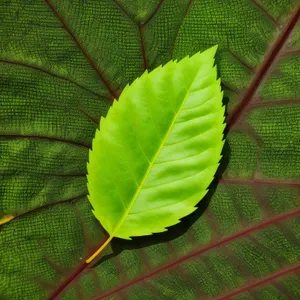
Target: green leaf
61, 65
158, 148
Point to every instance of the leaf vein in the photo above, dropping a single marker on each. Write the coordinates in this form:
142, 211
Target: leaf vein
174, 181
39, 69
83, 51
202, 250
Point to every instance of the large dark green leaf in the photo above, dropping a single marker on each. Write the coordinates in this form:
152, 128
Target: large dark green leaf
62, 64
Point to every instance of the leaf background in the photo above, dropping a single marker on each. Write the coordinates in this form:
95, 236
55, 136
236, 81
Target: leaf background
62, 63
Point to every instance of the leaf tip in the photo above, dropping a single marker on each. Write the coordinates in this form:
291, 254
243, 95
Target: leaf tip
210, 52
214, 48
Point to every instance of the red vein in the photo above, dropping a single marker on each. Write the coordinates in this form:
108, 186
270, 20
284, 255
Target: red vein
145, 258
69, 279
270, 253
260, 282
185, 14
149, 286
275, 102
143, 48
259, 143
124, 11
229, 88
171, 249
188, 7
93, 119
216, 232
238, 263
140, 28
119, 269
190, 279
83, 51
204, 249
245, 64
288, 233
36, 209
83, 266
259, 181
260, 75
62, 271
19, 136
78, 292
290, 52
86, 237
39, 69
153, 14
266, 12
96, 280
282, 290
43, 284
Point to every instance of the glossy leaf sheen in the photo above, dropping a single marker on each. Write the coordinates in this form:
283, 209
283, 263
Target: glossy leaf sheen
158, 148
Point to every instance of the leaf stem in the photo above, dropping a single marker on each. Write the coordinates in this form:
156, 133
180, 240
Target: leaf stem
99, 250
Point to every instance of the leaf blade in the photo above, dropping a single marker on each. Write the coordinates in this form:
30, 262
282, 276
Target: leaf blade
198, 86
260, 181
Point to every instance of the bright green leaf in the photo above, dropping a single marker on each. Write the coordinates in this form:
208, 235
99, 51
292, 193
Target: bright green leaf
158, 148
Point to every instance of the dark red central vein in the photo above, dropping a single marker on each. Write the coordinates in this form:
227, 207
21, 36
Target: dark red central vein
260, 282
83, 51
68, 280
202, 250
74, 275
260, 76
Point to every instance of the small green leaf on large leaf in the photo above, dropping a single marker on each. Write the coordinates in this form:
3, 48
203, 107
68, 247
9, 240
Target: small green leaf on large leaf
158, 148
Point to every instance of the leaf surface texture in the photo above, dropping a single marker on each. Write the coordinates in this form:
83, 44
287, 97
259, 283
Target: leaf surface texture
158, 148
62, 64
